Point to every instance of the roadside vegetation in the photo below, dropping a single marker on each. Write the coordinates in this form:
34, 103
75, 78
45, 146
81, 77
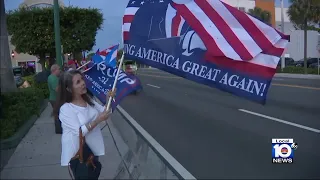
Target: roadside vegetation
297, 70
19, 106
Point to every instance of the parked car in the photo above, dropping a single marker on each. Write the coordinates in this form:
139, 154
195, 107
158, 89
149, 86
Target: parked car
18, 80
310, 61
18, 71
314, 65
288, 62
22, 71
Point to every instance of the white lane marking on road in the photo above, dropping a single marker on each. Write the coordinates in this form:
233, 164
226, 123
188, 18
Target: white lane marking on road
168, 157
153, 86
281, 121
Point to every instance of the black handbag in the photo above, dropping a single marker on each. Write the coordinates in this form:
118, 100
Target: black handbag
84, 165
57, 126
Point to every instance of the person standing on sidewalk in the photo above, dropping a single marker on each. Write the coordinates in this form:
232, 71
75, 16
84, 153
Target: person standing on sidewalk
53, 80
80, 116
72, 65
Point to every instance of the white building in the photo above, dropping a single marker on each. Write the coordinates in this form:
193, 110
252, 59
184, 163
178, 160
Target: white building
288, 26
39, 3
243, 5
295, 48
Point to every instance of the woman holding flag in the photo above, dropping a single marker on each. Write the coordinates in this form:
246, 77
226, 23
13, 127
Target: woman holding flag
82, 140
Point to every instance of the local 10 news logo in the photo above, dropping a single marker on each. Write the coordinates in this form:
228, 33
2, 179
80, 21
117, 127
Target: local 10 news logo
283, 151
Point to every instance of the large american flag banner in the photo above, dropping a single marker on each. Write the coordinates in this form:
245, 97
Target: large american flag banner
228, 38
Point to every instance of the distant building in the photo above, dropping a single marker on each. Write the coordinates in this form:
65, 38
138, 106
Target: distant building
295, 48
288, 26
21, 59
39, 3
246, 5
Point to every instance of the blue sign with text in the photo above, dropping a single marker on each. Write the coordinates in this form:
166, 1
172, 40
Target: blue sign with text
100, 78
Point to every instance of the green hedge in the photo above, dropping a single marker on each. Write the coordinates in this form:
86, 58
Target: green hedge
18, 107
43, 87
297, 70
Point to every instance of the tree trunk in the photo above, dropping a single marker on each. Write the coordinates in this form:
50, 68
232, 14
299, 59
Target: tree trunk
6, 75
78, 56
305, 47
42, 61
52, 59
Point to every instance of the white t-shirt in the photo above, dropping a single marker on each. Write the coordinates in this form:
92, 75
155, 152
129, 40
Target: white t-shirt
73, 117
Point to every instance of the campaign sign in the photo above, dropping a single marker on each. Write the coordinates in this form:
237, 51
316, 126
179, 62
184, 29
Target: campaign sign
100, 78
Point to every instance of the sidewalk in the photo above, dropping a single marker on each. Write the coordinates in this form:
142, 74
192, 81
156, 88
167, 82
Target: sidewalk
38, 154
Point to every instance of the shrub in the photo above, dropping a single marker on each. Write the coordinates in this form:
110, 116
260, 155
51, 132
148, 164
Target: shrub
30, 79
17, 108
297, 70
42, 86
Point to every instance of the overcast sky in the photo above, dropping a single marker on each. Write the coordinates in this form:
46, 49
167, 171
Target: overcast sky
112, 10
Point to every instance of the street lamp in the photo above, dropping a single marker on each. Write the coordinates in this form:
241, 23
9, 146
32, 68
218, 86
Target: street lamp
282, 30
57, 33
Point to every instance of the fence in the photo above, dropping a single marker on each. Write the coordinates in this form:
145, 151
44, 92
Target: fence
142, 157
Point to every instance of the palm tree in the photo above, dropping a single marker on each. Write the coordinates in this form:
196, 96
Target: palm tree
262, 15
303, 13
6, 74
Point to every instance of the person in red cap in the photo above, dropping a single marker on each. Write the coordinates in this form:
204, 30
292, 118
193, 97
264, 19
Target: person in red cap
71, 64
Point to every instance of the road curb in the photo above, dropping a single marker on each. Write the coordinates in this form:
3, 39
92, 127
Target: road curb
14, 140
297, 76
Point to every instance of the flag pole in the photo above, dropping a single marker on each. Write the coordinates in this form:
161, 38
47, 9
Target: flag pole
118, 72
83, 65
115, 81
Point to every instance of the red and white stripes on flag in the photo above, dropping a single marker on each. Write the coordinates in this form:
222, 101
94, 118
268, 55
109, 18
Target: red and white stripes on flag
175, 21
229, 32
127, 20
225, 31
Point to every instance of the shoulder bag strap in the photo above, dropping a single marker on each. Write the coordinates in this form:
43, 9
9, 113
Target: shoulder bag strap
81, 142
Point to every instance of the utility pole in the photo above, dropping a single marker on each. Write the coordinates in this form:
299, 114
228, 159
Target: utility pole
282, 30
57, 33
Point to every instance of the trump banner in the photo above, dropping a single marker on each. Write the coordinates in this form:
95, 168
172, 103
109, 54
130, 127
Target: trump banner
99, 80
206, 41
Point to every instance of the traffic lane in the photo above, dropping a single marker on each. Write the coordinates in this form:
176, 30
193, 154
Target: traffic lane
214, 141
293, 104
278, 81
206, 146
198, 93
297, 105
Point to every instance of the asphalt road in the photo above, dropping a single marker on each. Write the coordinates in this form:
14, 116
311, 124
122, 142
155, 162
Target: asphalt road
208, 133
